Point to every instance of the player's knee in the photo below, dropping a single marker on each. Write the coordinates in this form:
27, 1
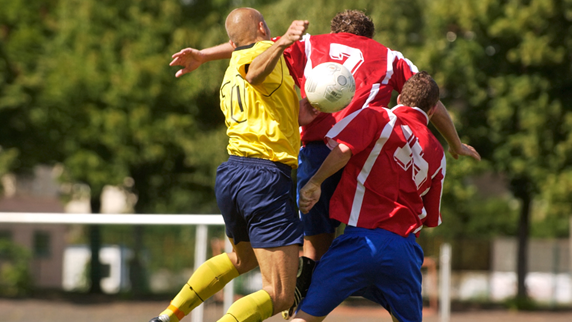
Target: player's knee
245, 263
282, 301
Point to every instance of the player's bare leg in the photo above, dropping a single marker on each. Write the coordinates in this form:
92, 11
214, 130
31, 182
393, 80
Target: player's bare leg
302, 316
242, 257
278, 267
208, 279
316, 246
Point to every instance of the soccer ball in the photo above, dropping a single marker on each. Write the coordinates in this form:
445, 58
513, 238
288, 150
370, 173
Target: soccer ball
330, 87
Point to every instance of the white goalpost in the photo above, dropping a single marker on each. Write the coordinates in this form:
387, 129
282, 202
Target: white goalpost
445, 283
108, 219
200, 221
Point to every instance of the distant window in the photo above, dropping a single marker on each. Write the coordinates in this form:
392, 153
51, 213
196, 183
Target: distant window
5, 241
42, 244
5, 235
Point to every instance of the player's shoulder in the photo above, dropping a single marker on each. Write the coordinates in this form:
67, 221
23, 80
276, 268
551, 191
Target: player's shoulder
378, 114
434, 144
432, 147
378, 110
368, 115
418, 119
411, 113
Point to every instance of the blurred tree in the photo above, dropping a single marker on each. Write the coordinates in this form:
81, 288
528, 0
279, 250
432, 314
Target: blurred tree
113, 104
23, 31
503, 66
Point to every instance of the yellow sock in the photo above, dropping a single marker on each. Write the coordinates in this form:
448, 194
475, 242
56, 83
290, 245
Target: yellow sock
208, 279
255, 307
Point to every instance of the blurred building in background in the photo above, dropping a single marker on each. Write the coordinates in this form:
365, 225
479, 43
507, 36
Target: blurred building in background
37, 192
40, 192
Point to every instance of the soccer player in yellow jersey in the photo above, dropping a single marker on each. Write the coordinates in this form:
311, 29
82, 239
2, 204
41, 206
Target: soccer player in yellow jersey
254, 188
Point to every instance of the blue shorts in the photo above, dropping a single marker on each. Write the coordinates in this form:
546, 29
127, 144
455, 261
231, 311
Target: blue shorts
376, 264
256, 201
317, 220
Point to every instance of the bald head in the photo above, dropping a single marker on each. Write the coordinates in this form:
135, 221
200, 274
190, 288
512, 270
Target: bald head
245, 26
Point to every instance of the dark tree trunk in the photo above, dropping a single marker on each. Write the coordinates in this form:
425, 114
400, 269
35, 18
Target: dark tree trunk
523, 189
95, 245
522, 259
136, 269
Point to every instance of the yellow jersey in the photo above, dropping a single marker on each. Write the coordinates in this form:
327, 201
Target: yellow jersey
261, 120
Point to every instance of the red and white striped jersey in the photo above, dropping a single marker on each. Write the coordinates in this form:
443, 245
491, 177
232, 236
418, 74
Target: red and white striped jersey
394, 178
377, 71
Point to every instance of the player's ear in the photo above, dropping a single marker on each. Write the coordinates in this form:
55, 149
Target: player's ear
232, 44
399, 99
263, 29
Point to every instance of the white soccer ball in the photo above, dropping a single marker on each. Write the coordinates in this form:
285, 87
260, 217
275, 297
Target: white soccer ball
330, 87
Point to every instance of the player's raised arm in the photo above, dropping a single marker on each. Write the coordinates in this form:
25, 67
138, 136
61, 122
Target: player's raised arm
264, 64
190, 58
443, 122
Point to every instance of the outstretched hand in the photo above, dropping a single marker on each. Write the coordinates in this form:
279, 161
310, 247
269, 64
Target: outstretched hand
465, 150
189, 58
309, 196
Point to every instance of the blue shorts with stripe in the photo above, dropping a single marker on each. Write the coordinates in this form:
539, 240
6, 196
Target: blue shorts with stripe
256, 201
374, 263
317, 220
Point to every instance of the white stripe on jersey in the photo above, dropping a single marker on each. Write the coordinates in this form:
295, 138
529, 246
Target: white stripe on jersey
366, 169
391, 56
338, 127
423, 213
421, 216
444, 169
308, 52
389, 67
372, 94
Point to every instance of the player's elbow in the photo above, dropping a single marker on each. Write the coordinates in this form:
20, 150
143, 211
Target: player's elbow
254, 80
256, 74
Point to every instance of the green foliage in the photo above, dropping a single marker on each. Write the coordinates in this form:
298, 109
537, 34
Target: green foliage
14, 269
502, 66
7, 159
521, 303
552, 214
502, 69
109, 107
23, 31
